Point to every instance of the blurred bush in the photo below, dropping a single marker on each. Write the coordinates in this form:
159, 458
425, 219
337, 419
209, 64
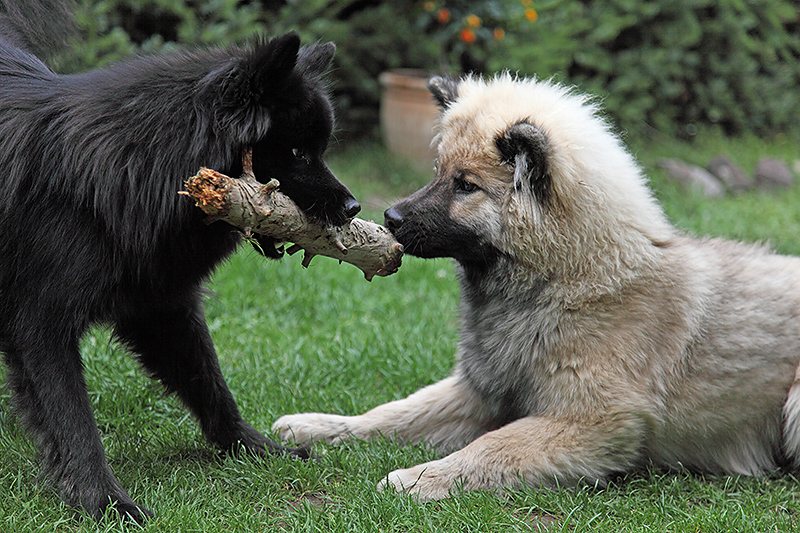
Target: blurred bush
673, 66
371, 37
114, 29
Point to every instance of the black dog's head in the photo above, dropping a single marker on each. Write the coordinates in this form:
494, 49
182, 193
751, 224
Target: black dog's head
275, 100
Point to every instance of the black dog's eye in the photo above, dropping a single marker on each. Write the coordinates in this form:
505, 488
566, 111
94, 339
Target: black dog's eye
300, 155
463, 185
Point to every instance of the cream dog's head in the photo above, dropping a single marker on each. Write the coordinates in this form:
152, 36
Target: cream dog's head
528, 171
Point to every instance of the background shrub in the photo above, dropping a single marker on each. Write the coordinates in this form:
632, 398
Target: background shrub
371, 37
113, 29
676, 65
673, 66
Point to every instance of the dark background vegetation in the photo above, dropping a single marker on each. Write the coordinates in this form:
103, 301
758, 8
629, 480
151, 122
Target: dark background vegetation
671, 67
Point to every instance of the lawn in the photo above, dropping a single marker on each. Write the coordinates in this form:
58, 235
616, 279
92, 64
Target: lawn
324, 339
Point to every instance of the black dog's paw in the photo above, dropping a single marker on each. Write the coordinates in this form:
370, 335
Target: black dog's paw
129, 511
101, 497
251, 441
301, 452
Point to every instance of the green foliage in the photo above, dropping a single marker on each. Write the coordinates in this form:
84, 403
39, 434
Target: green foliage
675, 65
114, 29
464, 34
373, 37
369, 41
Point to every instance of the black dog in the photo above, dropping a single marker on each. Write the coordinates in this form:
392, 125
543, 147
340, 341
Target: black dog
92, 230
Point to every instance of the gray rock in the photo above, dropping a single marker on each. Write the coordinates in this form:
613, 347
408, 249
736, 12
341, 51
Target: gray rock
730, 174
773, 174
693, 177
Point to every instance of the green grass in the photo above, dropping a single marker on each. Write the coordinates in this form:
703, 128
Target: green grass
324, 339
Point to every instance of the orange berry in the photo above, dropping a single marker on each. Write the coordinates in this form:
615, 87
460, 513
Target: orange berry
499, 34
468, 36
443, 15
531, 14
474, 21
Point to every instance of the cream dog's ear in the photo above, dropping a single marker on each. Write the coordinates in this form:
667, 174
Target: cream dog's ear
524, 146
444, 90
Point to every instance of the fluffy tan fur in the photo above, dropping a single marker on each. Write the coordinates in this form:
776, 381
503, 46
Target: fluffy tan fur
623, 342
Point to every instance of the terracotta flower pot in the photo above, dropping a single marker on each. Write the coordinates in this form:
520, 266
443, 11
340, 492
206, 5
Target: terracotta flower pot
408, 115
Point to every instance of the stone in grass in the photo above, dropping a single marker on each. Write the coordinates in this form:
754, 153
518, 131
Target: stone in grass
773, 174
730, 174
692, 177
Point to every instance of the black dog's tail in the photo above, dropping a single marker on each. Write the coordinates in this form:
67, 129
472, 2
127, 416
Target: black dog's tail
40, 26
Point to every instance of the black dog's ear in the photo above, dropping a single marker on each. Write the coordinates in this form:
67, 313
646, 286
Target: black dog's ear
444, 91
267, 66
524, 146
314, 59
274, 61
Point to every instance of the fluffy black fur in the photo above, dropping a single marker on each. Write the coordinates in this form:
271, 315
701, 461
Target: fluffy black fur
92, 229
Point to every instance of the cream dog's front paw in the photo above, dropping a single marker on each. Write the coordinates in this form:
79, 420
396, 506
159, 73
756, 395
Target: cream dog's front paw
307, 428
428, 481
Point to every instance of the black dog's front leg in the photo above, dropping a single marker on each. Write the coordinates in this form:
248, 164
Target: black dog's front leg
47, 379
175, 346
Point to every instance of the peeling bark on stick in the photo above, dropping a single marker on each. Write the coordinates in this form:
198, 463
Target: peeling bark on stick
257, 208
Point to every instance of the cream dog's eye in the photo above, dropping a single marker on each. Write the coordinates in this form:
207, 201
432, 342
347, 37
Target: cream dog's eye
463, 185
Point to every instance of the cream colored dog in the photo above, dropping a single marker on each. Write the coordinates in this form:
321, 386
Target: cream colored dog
596, 338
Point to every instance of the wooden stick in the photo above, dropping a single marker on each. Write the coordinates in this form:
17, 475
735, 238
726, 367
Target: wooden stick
257, 208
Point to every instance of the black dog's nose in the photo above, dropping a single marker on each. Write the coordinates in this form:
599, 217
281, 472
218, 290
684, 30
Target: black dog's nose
351, 207
392, 219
